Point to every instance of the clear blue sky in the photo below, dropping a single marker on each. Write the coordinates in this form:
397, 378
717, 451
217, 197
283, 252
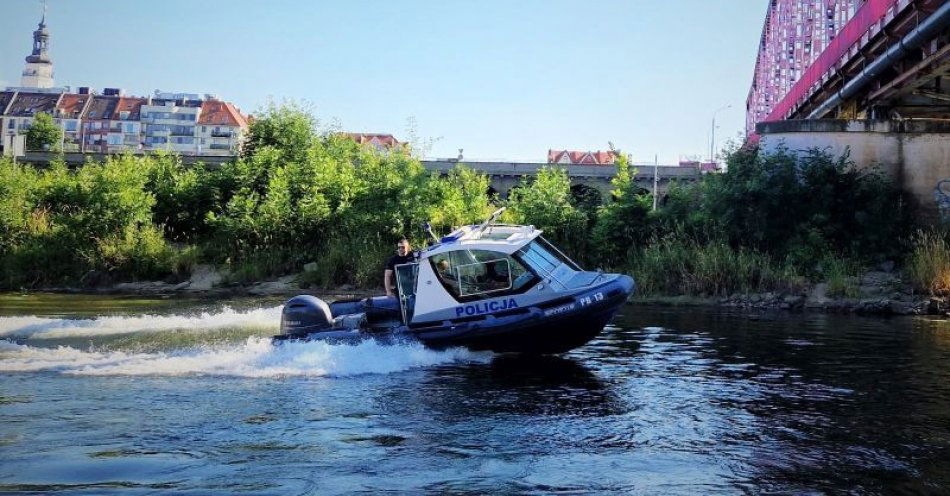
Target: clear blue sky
501, 79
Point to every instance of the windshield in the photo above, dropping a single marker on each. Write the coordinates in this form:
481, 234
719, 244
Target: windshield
547, 261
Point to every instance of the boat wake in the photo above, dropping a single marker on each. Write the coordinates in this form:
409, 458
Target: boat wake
33, 327
225, 343
256, 357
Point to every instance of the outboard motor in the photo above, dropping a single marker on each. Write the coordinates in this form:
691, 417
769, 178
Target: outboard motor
303, 315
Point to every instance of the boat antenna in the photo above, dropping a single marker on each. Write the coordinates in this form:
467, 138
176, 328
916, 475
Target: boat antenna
490, 220
427, 227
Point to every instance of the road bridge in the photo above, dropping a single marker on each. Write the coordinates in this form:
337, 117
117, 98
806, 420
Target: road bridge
889, 61
585, 179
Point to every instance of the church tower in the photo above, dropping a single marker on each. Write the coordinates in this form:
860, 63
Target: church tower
39, 68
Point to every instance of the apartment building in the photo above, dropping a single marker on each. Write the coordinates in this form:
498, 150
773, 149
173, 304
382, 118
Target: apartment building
169, 121
111, 122
69, 114
220, 126
23, 107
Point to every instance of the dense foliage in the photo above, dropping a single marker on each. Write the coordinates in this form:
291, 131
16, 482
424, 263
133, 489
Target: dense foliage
801, 206
296, 196
44, 134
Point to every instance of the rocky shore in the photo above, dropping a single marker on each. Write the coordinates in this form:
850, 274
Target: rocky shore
877, 293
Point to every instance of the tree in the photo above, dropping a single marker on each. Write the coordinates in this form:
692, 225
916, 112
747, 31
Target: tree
290, 128
546, 202
44, 134
625, 222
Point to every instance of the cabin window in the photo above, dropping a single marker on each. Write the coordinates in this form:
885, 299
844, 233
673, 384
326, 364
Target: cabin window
478, 274
544, 257
547, 261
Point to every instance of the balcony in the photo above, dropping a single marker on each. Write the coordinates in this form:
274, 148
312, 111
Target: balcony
222, 134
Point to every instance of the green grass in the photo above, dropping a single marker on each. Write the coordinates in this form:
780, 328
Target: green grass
929, 264
677, 266
840, 275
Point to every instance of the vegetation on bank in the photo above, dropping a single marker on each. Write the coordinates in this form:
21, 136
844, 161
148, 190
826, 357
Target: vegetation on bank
44, 134
296, 196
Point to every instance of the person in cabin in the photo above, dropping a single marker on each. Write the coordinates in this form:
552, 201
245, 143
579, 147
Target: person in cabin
403, 256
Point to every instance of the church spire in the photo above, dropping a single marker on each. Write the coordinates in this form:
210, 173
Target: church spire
40, 41
39, 67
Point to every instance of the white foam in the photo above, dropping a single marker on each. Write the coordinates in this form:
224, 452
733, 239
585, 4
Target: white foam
40, 327
257, 357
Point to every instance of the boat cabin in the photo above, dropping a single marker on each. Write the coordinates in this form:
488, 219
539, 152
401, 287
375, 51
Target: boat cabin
485, 270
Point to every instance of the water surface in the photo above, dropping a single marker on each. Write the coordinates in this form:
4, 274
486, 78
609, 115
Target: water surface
154, 396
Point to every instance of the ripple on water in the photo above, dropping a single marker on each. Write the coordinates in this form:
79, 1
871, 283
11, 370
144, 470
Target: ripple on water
667, 401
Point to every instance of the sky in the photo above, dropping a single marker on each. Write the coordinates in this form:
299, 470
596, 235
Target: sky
500, 79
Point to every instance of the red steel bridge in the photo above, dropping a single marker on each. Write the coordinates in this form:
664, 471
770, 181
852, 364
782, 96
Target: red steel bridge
889, 59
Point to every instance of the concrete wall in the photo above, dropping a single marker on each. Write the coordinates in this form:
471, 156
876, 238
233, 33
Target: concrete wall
915, 153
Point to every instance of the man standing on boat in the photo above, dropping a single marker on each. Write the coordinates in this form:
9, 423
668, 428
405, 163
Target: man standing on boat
403, 256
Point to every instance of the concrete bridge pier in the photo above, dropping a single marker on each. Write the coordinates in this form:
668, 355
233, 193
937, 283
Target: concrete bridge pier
914, 152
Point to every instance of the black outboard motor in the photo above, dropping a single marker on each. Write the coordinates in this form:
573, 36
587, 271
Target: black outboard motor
303, 315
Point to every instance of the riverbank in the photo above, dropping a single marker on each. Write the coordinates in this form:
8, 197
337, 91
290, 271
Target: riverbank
873, 293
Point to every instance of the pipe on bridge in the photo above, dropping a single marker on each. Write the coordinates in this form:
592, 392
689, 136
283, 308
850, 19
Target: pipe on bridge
925, 31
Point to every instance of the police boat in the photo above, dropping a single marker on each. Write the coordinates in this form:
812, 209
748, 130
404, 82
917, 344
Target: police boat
496, 287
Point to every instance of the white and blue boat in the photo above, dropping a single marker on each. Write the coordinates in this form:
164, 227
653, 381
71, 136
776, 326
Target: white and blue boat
496, 287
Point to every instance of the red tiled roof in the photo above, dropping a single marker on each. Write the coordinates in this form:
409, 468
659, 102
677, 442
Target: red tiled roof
132, 105
71, 105
216, 112
386, 140
582, 158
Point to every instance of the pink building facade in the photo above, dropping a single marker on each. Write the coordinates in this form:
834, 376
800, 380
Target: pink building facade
795, 33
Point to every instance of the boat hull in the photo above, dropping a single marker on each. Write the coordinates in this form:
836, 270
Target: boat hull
555, 327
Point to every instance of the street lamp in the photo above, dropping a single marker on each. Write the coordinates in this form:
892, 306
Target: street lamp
712, 137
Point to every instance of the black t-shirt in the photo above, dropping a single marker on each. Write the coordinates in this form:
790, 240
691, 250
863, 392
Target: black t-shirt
399, 260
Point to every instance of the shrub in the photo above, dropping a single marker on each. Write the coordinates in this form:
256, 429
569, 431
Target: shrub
929, 264
68, 223
803, 206
840, 275
678, 265
183, 195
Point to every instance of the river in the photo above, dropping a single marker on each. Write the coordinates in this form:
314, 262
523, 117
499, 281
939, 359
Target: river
104, 395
